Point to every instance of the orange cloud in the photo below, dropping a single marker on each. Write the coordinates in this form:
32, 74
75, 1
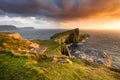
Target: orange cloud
61, 9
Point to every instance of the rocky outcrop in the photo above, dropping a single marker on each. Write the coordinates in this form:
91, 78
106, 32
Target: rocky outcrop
14, 42
70, 41
34, 45
72, 36
90, 54
65, 50
15, 35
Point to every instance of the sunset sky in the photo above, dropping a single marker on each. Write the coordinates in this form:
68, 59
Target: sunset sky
83, 14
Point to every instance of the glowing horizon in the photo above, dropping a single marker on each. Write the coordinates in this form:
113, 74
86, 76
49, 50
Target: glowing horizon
106, 23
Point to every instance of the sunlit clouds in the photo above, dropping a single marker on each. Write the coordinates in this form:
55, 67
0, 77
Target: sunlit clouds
93, 24
27, 22
85, 14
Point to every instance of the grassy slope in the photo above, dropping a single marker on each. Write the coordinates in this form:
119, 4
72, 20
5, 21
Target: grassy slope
53, 47
23, 68
59, 35
11, 43
69, 32
15, 67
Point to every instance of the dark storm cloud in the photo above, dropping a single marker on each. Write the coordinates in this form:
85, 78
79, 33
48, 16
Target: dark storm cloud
58, 9
1, 12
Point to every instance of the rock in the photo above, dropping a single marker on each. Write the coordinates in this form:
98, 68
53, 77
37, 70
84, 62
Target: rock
68, 37
35, 48
91, 55
62, 40
65, 50
71, 36
38, 50
34, 45
70, 40
15, 35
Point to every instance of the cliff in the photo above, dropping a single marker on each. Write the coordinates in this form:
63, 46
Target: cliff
71, 36
90, 54
7, 27
70, 47
21, 59
14, 42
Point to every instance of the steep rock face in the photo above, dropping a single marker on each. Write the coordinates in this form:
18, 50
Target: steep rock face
90, 54
70, 47
65, 50
71, 36
62, 39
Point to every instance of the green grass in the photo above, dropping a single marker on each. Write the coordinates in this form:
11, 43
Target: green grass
17, 67
71, 36
10, 43
52, 46
59, 35
23, 68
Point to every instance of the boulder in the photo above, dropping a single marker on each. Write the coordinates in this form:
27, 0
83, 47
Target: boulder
34, 45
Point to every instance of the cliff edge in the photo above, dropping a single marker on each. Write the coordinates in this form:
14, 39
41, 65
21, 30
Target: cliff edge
21, 59
70, 47
71, 36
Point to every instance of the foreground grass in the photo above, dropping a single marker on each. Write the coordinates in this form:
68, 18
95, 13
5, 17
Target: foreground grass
53, 48
16, 68
22, 68
11, 43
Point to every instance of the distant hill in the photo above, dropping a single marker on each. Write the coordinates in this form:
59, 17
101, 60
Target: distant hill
7, 27
26, 28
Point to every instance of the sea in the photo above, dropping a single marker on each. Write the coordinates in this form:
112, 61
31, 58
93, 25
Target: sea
105, 40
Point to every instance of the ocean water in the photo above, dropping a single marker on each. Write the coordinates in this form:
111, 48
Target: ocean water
108, 41
41, 34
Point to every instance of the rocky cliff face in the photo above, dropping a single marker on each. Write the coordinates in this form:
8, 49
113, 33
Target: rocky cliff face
71, 39
90, 54
72, 36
